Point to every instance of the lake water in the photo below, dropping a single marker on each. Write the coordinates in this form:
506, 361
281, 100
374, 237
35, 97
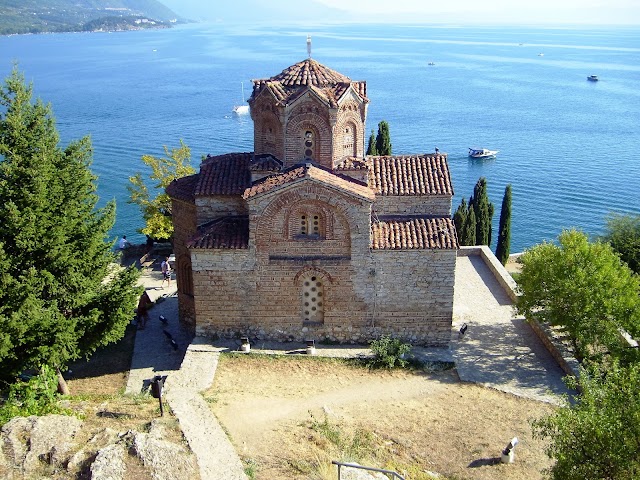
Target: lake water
568, 146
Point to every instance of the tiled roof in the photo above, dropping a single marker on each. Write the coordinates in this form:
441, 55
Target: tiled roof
308, 170
410, 175
293, 81
224, 174
413, 233
265, 163
309, 72
352, 163
229, 233
183, 188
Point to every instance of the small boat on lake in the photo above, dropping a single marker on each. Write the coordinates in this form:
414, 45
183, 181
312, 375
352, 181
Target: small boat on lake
241, 109
592, 78
482, 153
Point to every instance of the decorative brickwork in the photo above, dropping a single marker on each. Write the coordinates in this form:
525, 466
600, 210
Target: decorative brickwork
309, 239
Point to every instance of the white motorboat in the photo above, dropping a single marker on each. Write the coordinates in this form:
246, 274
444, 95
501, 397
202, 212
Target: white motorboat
592, 78
482, 153
241, 109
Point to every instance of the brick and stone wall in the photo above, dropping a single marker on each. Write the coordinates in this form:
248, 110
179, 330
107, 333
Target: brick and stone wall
185, 226
413, 205
214, 207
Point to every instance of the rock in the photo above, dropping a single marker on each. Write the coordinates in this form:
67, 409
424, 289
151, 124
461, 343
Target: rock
109, 464
27, 442
168, 461
100, 440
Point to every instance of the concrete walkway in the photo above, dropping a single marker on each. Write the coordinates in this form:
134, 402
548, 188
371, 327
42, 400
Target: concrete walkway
189, 367
499, 349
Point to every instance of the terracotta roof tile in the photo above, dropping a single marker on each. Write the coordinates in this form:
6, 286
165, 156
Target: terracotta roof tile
296, 172
413, 233
410, 175
352, 163
229, 233
294, 81
265, 163
183, 188
224, 174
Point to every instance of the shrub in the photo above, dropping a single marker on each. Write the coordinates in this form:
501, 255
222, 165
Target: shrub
388, 352
36, 396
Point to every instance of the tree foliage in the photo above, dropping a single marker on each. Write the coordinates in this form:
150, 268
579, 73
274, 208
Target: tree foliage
598, 437
483, 210
460, 219
156, 211
584, 288
504, 228
55, 304
383, 139
371, 148
623, 234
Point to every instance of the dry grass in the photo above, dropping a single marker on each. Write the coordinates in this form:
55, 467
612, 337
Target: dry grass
291, 416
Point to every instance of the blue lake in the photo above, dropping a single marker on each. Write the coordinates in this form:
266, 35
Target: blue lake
568, 146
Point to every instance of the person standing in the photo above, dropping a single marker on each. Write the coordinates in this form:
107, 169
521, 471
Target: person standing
143, 310
166, 272
124, 243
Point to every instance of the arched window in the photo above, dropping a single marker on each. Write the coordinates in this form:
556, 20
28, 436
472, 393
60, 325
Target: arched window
307, 222
349, 141
312, 296
309, 145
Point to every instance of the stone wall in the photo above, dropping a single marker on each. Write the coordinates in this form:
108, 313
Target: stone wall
185, 226
212, 208
413, 205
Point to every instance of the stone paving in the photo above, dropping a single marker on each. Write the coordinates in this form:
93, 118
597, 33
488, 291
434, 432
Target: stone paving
499, 350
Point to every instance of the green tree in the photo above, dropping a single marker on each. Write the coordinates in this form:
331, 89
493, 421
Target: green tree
383, 139
598, 437
623, 233
61, 298
371, 148
483, 210
460, 219
156, 211
584, 288
504, 229
469, 230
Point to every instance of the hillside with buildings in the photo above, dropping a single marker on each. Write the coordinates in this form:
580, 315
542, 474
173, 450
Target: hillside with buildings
42, 16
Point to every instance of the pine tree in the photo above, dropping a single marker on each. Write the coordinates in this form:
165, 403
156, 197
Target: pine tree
504, 230
460, 218
55, 304
383, 139
371, 148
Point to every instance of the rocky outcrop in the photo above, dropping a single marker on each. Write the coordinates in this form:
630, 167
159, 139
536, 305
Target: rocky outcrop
35, 447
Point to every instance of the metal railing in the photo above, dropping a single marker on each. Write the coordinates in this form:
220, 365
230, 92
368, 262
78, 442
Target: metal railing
371, 469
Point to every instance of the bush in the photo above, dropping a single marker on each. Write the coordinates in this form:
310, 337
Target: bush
388, 352
36, 396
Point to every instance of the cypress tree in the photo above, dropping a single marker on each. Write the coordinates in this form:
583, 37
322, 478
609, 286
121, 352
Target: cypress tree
55, 304
371, 148
469, 229
460, 219
483, 211
383, 139
504, 230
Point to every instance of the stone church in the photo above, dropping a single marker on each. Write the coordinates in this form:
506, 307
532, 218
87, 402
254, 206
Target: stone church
306, 237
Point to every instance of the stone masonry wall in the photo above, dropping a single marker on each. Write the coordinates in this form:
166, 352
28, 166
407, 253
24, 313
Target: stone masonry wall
185, 226
413, 205
212, 208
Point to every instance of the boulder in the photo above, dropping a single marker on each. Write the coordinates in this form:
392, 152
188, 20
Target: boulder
29, 442
109, 463
167, 461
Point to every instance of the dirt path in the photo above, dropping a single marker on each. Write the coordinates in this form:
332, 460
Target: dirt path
417, 421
